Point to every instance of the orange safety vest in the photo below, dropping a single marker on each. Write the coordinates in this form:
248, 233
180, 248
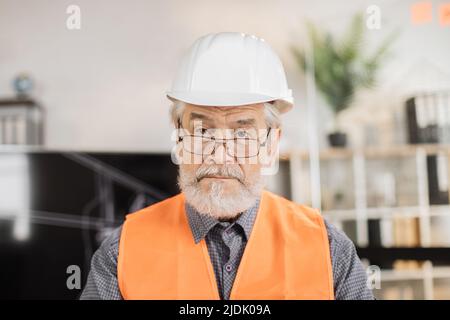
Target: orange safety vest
286, 257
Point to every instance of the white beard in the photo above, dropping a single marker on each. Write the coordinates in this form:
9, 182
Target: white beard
214, 202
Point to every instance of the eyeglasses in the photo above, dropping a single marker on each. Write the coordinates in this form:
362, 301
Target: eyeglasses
245, 143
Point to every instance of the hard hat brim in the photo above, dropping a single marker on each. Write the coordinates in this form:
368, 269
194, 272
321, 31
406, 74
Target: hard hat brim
229, 99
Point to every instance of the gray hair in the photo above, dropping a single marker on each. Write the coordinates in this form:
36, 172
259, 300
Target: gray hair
272, 114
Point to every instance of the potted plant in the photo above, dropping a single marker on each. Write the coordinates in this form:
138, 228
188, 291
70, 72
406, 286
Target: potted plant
341, 67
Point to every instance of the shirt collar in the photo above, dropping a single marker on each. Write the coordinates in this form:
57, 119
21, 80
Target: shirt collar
201, 224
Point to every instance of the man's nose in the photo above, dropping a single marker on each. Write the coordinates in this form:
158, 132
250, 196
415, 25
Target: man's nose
220, 155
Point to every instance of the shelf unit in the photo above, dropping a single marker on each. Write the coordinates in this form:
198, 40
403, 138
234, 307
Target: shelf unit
303, 189
21, 122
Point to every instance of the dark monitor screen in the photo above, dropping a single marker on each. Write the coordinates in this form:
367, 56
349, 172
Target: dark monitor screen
57, 207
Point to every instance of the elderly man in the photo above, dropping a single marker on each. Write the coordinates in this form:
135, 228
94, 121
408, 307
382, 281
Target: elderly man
224, 236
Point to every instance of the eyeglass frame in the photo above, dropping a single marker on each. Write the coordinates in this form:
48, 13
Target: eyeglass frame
224, 141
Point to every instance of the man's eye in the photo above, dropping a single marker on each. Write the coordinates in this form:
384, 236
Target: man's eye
242, 134
200, 131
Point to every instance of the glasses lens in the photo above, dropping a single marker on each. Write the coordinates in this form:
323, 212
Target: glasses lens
196, 144
245, 148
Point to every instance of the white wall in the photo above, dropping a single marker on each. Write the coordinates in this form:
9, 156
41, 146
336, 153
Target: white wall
103, 86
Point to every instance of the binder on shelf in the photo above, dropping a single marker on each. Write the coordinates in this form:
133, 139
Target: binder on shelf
437, 179
428, 118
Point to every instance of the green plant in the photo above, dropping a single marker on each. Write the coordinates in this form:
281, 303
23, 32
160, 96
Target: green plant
341, 66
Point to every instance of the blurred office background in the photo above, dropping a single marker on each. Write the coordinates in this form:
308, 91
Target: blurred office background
85, 136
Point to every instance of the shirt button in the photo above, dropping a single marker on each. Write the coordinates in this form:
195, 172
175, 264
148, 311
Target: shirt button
228, 267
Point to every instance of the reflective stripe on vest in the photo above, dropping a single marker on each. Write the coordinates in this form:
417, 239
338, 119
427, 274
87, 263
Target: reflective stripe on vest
286, 257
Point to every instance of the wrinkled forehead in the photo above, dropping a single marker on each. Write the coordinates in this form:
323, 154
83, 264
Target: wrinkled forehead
226, 117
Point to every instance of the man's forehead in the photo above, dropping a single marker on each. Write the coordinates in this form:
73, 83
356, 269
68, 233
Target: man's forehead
212, 113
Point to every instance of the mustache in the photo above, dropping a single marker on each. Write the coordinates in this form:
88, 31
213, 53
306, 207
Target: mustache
232, 171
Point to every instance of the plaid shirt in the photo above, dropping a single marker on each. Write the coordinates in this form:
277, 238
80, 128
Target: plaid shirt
226, 243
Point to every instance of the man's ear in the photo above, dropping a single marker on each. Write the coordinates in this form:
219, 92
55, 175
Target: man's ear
273, 141
269, 154
270, 164
176, 152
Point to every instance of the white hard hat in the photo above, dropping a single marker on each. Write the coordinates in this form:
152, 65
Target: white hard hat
230, 69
